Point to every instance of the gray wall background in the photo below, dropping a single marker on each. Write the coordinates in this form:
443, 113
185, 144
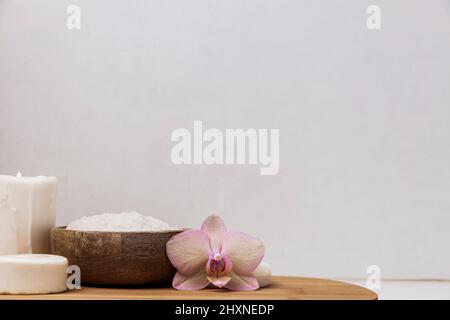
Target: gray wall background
363, 117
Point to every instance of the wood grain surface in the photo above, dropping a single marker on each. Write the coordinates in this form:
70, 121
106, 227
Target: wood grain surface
282, 288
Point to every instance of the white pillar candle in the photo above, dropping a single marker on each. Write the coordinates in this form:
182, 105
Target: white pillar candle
27, 214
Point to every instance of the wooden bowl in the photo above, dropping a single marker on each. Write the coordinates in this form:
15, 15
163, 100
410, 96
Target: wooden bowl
116, 258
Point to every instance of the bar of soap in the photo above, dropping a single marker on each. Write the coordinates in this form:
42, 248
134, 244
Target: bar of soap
32, 274
263, 274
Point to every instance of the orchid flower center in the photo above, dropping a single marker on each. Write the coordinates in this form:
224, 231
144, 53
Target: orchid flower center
218, 266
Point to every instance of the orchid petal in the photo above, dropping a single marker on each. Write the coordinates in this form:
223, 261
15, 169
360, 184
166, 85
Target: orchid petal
242, 282
188, 251
215, 228
195, 282
244, 251
219, 282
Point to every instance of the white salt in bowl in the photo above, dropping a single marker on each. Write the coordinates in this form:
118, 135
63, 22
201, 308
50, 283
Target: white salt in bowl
116, 258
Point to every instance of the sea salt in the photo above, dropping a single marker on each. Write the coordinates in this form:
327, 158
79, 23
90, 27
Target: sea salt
122, 222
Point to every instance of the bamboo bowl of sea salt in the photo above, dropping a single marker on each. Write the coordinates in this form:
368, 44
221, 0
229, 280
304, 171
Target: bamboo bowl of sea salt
125, 249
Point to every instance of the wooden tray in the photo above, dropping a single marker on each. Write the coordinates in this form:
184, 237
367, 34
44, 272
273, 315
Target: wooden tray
282, 288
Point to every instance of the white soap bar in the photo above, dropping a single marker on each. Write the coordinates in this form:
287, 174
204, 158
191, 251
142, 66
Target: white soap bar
263, 274
32, 274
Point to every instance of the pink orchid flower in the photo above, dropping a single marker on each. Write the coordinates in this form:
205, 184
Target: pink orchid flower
215, 255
